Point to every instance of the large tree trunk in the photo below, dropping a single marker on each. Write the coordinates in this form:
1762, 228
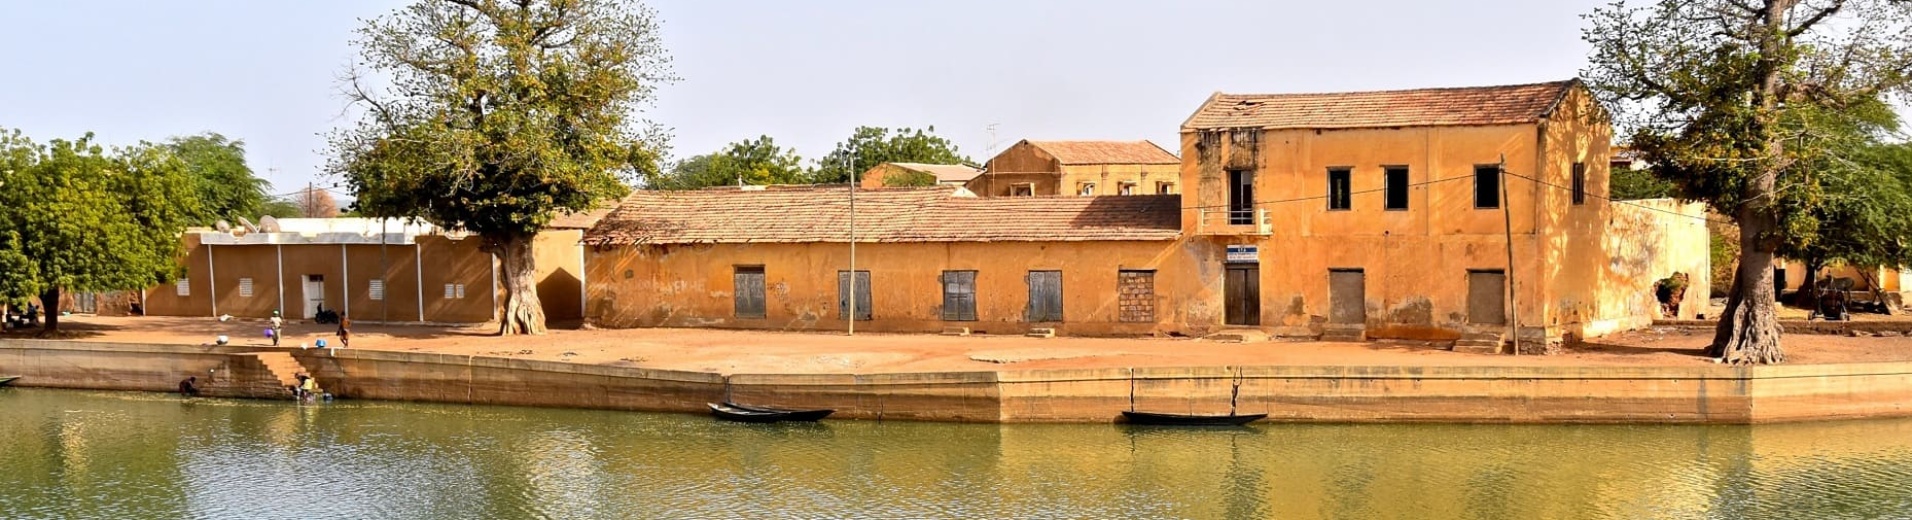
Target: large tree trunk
517, 270
1748, 331
50, 307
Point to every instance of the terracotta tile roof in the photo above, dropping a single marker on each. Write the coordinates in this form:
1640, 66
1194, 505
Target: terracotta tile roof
956, 173
1507, 104
1106, 152
799, 214
583, 220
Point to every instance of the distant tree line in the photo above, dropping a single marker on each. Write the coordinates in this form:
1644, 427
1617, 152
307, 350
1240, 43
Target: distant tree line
761, 161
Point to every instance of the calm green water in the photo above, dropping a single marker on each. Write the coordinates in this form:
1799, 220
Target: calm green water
70, 454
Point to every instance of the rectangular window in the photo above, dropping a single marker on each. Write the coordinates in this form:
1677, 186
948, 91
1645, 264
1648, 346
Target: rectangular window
1339, 191
245, 287
748, 291
183, 287
1085, 189
863, 312
1241, 197
1045, 296
454, 291
1579, 183
1022, 190
460, 290
376, 290
1135, 294
1487, 187
1165, 188
1397, 187
959, 295
1126, 188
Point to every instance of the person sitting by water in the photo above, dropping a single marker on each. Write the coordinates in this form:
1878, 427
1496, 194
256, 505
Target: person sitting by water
189, 387
308, 388
298, 389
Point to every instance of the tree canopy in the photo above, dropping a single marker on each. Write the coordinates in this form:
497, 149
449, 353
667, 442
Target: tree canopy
755, 161
226, 186
498, 115
74, 217
1738, 103
870, 146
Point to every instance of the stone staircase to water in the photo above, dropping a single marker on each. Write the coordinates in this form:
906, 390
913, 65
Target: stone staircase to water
258, 375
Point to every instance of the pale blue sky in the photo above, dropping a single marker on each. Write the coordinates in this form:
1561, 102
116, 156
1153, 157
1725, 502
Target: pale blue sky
806, 73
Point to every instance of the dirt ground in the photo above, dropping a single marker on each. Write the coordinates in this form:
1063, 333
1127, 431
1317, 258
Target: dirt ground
726, 351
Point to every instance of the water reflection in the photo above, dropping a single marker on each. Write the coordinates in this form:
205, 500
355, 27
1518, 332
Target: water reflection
118, 455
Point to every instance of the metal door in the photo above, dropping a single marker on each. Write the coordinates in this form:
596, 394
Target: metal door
959, 295
1347, 296
314, 295
1487, 297
1243, 294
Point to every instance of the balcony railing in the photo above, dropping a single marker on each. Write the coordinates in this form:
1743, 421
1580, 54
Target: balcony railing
1234, 222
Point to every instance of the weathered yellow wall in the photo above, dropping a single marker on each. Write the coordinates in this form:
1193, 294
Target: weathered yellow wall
1108, 177
560, 273
692, 286
1415, 261
1891, 279
1026, 163
1576, 268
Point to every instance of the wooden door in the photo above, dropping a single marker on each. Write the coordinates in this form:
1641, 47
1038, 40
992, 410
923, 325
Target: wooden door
863, 312
1045, 297
1242, 292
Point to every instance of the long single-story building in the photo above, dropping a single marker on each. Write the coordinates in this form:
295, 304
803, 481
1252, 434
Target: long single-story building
370, 269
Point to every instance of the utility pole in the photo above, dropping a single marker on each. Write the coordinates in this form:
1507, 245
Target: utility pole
1506, 215
850, 165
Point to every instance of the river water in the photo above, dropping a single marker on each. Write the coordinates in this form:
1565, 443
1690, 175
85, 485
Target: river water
79, 454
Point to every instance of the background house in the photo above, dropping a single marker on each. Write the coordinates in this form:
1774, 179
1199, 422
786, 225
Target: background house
1079, 168
945, 174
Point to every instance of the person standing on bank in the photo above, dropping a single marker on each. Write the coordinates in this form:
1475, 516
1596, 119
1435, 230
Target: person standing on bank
345, 331
278, 328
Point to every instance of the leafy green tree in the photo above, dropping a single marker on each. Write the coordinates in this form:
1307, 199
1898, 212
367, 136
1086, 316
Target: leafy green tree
1635, 184
74, 218
1861, 206
870, 146
909, 178
498, 115
756, 161
226, 186
281, 208
1730, 100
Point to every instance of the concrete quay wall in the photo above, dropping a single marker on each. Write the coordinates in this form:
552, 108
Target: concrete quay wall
1529, 394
